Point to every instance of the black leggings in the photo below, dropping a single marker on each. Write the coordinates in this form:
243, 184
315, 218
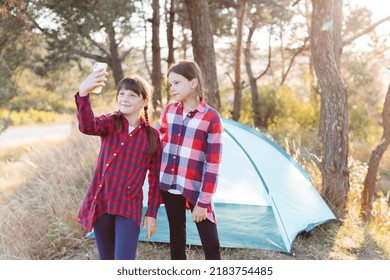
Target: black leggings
175, 206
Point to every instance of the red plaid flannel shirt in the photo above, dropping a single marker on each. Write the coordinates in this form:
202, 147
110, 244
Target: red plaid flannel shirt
116, 186
192, 151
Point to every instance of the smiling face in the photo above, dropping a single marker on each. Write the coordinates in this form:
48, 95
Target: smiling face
181, 88
130, 103
132, 96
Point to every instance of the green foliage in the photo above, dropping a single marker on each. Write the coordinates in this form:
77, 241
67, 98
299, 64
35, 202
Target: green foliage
13, 51
381, 213
292, 115
358, 171
81, 29
285, 112
365, 102
246, 109
31, 117
269, 107
42, 94
222, 15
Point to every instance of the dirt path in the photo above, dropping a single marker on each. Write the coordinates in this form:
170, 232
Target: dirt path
16, 142
17, 136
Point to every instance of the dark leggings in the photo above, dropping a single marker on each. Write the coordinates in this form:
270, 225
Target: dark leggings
116, 237
175, 206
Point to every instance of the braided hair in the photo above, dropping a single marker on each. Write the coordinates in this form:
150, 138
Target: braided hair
145, 90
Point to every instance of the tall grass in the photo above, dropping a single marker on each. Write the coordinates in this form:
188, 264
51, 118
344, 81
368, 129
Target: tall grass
47, 182
38, 217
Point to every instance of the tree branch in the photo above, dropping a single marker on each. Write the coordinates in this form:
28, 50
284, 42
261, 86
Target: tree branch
300, 50
3, 42
88, 55
354, 37
126, 53
365, 31
231, 79
35, 24
269, 56
100, 47
296, 2
145, 43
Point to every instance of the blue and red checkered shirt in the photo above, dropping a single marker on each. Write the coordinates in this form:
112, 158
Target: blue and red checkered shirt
122, 165
192, 151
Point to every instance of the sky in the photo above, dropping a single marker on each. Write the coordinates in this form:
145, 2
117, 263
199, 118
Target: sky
380, 8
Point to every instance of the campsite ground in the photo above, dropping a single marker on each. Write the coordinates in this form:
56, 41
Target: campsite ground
326, 242
41, 187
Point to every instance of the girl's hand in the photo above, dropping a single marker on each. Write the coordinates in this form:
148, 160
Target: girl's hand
152, 226
199, 214
95, 79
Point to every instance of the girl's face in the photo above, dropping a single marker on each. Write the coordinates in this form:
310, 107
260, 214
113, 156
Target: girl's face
181, 89
130, 103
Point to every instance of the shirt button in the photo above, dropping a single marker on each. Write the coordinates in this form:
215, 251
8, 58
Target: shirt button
114, 154
174, 157
100, 186
131, 134
122, 143
128, 187
172, 169
106, 164
179, 134
95, 196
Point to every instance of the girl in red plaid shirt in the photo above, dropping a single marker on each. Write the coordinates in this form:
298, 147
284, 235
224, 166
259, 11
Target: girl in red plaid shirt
129, 148
191, 138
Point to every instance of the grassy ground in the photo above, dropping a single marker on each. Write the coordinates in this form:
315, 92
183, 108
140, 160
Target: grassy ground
42, 186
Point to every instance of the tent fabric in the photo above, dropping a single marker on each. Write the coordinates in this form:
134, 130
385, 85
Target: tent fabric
264, 198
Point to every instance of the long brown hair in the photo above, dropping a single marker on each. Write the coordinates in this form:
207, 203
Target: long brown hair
190, 70
143, 89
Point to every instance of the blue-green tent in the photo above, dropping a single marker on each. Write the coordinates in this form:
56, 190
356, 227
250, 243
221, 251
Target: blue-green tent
264, 198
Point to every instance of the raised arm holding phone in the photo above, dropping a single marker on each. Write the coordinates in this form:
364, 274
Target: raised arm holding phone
130, 148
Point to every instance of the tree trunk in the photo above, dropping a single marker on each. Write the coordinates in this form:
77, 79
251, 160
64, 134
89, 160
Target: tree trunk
115, 62
258, 120
252, 80
337, 27
237, 65
334, 109
203, 48
184, 43
376, 156
156, 57
170, 20
282, 56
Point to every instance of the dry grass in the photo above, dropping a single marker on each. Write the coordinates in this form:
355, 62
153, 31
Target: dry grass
42, 187
38, 215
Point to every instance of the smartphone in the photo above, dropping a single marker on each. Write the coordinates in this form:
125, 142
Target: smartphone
96, 66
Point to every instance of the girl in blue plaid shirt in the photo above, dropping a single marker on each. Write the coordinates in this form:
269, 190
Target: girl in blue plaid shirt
191, 138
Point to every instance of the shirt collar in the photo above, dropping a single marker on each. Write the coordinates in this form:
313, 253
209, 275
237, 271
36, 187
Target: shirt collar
200, 108
141, 119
